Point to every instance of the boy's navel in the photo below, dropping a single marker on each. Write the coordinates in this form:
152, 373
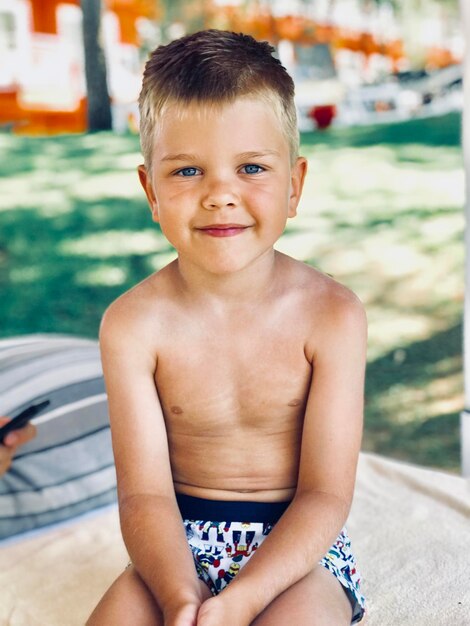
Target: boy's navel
177, 410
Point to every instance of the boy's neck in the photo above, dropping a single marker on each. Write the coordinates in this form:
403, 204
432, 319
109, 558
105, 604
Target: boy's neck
245, 285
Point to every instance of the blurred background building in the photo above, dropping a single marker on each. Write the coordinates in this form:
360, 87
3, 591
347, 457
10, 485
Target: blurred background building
353, 61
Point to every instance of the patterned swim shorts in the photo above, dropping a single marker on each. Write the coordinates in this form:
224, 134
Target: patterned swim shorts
221, 548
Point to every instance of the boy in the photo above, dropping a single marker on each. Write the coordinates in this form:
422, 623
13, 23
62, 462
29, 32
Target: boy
235, 374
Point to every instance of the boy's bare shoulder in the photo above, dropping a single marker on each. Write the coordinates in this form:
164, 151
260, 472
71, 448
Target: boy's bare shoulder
323, 289
137, 309
331, 307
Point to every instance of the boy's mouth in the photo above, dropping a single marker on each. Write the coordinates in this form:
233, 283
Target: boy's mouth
223, 230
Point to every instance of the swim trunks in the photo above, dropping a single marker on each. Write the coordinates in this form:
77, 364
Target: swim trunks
222, 545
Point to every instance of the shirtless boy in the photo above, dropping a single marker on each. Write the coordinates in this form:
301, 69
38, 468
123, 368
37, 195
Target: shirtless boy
235, 374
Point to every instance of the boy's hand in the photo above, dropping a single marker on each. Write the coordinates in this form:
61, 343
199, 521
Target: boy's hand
183, 616
216, 611
12, 441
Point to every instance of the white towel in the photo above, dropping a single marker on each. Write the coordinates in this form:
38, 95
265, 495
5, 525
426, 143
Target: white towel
410, 529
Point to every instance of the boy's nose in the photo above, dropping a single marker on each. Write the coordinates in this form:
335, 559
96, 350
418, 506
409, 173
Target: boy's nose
218, 196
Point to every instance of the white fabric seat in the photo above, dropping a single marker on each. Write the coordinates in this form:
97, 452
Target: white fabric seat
410, 529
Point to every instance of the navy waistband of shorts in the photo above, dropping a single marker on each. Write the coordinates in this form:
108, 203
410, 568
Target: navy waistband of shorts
192, 508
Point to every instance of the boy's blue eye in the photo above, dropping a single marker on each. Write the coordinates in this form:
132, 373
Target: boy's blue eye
252, 169
188, 171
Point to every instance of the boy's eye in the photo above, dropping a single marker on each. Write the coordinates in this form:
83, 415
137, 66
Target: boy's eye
252, 169
187, 171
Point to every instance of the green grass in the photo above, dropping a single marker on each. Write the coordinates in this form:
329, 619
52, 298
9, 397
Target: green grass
382, 213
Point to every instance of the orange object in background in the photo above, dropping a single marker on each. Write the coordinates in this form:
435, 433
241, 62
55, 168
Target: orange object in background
37, 120
128, 13
437, 58
47, 122
42, 83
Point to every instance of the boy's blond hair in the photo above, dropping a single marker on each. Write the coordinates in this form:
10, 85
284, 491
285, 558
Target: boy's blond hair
214, 67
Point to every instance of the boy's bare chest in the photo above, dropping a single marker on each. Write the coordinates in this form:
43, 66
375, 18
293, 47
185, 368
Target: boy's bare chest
240, 380
238, 391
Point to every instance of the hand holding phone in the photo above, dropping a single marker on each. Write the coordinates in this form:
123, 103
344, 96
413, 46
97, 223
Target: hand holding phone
20, 420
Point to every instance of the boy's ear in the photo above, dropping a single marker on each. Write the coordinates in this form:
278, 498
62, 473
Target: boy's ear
146, 182
298, 172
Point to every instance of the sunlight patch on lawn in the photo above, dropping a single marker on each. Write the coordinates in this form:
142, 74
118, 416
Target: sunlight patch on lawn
158, 261
108, 185
446, 283
390, 260
393, 327
44, 190
21, 192
429, 157
448, 365
115, 243
127, 162
362, 179
25, 274
439, 229
106, 275
389, 328
301, 245
411, 404
99, 162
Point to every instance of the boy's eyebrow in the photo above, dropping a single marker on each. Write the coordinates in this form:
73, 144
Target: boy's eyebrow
252, 154
179, 157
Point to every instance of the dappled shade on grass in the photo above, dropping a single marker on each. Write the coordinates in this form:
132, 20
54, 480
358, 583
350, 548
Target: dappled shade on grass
381, 213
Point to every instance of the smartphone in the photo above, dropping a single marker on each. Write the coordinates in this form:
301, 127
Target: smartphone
22, 419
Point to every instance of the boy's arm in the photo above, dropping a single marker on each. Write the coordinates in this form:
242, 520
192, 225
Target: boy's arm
151, 524
331, 442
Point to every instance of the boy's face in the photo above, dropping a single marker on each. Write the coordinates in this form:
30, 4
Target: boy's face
222, 185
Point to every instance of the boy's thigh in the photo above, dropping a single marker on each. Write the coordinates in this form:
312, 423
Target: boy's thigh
316, 600
127, 601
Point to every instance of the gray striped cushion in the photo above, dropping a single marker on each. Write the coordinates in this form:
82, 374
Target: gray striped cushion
68, 468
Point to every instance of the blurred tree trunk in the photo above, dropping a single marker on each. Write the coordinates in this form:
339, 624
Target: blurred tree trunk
99, 107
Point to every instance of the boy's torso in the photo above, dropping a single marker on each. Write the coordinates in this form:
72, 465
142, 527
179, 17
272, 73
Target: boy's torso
233, 389
234, 405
